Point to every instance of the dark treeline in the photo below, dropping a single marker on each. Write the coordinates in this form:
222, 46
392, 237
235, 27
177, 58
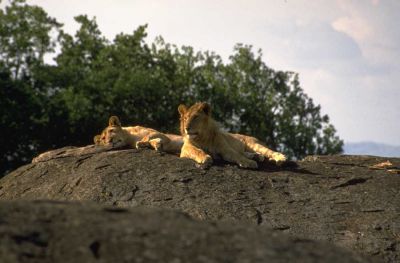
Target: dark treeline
49, 105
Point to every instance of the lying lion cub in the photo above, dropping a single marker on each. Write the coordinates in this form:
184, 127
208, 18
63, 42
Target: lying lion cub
203, 139
138, 137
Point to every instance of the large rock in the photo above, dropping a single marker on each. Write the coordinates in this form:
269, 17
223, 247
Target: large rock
59, 232
339, 199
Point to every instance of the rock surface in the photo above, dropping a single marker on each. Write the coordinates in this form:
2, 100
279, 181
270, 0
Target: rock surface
34, 231
339, 199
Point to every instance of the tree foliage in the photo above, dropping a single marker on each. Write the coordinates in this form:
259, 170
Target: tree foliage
46, 105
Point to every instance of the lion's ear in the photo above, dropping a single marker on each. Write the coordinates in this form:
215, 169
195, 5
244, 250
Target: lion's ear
182, 109
97, 139
114, 121
206, 108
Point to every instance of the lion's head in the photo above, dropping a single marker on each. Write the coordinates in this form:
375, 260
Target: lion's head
194, 120
113, 134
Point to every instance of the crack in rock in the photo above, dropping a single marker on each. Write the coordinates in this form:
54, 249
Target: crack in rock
350, 182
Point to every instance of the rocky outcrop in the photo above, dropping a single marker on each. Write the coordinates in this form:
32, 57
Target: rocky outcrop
339, 199
68, 232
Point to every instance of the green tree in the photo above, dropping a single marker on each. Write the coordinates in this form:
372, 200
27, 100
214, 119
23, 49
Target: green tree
16, 101
27, 34
25, 37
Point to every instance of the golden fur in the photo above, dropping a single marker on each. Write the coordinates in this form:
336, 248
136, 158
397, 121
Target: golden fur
138, 137
203, 140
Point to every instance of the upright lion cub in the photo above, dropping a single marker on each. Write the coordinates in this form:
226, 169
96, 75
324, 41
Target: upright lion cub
138, 137
202, 140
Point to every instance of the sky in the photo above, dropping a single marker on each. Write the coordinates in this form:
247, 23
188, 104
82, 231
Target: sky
346, 52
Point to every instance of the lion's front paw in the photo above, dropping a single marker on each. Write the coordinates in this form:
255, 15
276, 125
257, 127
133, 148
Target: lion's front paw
141, 144
248, 164
279, 158
156, 144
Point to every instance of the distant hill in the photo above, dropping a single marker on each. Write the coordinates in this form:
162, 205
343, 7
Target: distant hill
372, 148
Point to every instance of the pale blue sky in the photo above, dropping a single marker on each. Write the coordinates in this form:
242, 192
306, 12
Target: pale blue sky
346, 51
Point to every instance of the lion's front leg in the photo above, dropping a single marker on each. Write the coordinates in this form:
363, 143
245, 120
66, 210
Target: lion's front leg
143, 143
241, 160
198, 155
230, 155
153, 140
271, 155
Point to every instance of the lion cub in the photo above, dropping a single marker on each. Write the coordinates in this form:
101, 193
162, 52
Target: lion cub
203, 140
138, 137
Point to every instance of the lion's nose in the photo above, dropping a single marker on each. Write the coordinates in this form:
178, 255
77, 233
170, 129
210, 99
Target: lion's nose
186, 130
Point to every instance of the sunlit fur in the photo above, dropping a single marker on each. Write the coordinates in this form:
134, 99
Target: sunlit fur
138, 137
203, 140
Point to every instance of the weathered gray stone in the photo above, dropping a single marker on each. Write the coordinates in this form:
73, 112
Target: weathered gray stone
333, 198
34, 231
